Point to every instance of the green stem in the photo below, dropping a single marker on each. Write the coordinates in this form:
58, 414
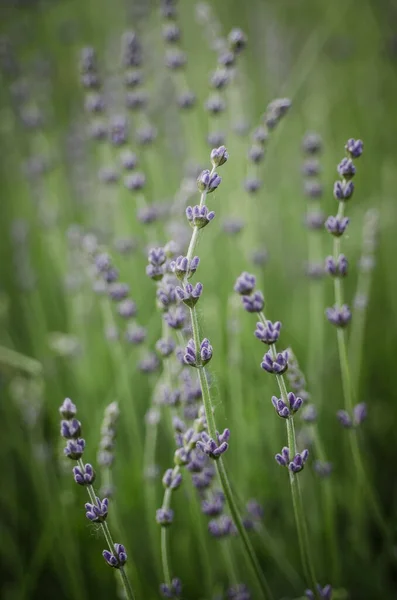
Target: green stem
299, 513
109, 540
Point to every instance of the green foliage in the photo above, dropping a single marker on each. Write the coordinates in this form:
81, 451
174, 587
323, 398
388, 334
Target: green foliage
335, 61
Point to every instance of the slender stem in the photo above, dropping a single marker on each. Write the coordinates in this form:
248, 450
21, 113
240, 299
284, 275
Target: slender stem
348, 393
299, 514
164, 555
109, 540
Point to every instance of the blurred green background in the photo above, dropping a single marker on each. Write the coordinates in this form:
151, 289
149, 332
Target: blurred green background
337, 62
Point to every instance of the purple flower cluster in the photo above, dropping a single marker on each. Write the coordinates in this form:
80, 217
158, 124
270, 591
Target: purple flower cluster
359, 415
84, 474
213, 448
199, 358
294, 464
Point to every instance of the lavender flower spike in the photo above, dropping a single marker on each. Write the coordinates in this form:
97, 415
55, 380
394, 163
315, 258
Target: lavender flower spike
253, 303
199, 216
269, 333
245, 284
164, 516
296, 464
182, 267
285, 410
84, 477
212, 448
336, 267
359, 413
324, 592
354, 148
207, 182
190, 294
74, 449
340, 317
171, 591
205, 354
336, 225
116, 559
98, 512
277, 366
219, 156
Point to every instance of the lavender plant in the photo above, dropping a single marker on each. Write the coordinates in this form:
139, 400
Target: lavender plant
84, 475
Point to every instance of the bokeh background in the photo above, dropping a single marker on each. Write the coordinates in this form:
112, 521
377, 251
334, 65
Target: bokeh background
337, 62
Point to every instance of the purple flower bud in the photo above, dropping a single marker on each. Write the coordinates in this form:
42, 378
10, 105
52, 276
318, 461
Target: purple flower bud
256, 153
135, 181
164, 516
84, 476
268, 333
309, 413
283, 458
149, 364
245, 284
146, 135
344, 419
171, 33
219, 79
338, 267
199, 216
171, 591
312, 143
103, 262
336, 225
118, 291
277, 365
135, 334
190, 294
172, 481
323, 469
237, 40
359, 413
222, 527
68, 409
354, 148
252, 184
132, 78
131, 50
343, 190
325, 593
339, 316
215, 104
183, 268
346, 168
74, 448
111, 275
260, 135
118, 559
311, 168
165, 347
238, 592
313, 189
207, 182
136, 100
314, 220
128, 160
226, 58
175, 59
213, 507
98, 512
71, 429
253, 303
215, 138
186, 100
118, 130
127, 309
219, 156
298, 462
210, 447
255, 509
175, 317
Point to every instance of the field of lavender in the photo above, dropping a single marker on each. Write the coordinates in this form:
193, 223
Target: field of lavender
197, 300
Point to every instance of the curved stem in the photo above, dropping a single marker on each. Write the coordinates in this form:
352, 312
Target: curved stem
297, 502
109, 540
